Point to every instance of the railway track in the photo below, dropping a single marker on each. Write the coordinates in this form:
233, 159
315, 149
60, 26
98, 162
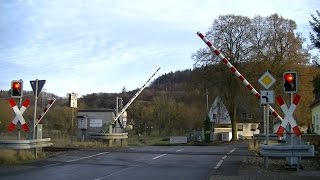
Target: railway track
56, 149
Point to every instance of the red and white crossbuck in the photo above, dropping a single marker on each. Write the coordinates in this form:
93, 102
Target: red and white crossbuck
288, 115
19, 116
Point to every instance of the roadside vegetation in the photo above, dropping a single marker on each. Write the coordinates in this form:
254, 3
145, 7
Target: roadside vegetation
10, 157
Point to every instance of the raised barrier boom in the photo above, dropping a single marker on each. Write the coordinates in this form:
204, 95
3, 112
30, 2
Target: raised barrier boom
236, 72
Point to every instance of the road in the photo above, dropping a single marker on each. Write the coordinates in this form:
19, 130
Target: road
135, 163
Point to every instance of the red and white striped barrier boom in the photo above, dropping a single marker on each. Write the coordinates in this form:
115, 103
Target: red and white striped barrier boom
19, 116
288, 115
45, 110
236, 72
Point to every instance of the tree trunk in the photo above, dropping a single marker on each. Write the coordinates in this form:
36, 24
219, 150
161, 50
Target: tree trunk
234, 122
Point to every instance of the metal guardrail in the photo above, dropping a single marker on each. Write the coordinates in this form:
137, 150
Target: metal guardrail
287, 150
109, 135
263, 137
178, 139
25, 144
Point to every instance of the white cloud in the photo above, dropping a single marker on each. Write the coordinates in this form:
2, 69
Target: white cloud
76, 45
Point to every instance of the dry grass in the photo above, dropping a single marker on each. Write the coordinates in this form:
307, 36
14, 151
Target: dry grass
11, 157
67, 142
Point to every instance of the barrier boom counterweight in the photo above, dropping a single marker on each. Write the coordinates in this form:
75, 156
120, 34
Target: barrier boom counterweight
236, 72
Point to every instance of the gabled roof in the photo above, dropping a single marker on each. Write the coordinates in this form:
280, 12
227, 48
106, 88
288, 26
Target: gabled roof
315, 103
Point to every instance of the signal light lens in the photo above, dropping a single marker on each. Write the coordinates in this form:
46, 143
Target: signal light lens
16, 85
289, 77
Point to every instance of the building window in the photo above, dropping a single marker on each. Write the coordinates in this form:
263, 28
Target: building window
317, 127
240, 127
253, 127
246, 116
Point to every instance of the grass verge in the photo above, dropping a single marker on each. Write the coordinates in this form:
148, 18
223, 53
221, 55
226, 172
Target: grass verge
11, 157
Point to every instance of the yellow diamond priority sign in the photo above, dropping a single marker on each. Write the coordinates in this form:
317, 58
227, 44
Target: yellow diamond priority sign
267, 80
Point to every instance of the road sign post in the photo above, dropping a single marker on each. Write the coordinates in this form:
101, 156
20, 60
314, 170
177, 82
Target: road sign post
291, 125
73, 103
266, 98
37, 86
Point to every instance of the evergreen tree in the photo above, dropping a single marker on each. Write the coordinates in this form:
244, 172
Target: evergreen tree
206, 128
315, 25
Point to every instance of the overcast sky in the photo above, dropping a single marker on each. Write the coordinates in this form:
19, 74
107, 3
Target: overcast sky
91, 46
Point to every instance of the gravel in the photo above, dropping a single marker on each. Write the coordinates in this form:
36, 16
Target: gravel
279, 163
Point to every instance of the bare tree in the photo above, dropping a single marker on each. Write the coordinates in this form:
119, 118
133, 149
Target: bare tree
270, 42
231, 33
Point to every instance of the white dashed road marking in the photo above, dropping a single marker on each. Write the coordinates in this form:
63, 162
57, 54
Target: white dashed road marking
223, 158
88, 157
73, 160
159, 156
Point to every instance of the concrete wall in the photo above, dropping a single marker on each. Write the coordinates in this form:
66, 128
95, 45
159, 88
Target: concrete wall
246, 131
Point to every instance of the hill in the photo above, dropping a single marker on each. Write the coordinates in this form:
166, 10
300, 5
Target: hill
176, 102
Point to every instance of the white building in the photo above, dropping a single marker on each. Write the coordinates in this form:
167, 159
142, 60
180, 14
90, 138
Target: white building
315, 111
247, 125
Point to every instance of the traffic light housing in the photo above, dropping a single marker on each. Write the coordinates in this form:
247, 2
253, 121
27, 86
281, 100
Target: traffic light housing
16, 88
290, 82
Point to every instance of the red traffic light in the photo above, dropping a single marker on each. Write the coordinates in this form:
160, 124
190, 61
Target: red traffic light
289, 77
290, 82
16, 88
16, 85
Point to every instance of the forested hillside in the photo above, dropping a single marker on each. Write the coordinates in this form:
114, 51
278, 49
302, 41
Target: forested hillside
174, 102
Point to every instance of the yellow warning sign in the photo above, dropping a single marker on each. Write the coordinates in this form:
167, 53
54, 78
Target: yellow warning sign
267, 80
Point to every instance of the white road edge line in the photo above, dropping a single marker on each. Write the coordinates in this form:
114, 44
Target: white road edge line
87, 157
179, 150
52, 164
232, 151
224, 157
76, 159
159, 156
219, 164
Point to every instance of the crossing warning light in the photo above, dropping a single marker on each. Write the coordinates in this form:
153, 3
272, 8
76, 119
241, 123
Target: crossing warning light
16, 88
290, 82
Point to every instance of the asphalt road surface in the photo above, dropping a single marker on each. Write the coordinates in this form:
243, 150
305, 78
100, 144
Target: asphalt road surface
135, 163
